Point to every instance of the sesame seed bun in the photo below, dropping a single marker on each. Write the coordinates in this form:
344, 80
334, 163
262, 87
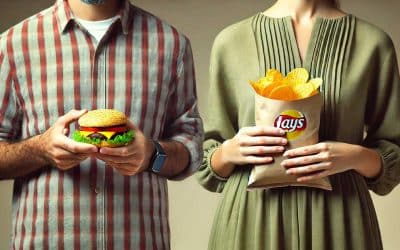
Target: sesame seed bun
102, 118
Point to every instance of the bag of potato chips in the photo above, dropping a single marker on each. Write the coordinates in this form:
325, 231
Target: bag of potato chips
293, 104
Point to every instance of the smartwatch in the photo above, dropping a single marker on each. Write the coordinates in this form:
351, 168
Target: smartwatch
158, 159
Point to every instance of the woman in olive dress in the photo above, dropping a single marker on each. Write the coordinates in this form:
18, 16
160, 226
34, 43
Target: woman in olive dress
359, 134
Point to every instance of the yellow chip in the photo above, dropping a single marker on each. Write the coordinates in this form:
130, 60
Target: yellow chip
303, 90
283, 92
268, 90
316, 82
257, 86
274, 76
296, 76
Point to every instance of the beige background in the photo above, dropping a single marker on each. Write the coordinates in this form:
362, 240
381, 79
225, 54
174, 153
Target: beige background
192, 207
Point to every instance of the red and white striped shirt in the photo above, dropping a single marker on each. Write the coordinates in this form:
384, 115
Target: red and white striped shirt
143, 67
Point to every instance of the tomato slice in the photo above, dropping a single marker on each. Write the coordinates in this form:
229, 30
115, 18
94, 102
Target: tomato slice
96, 129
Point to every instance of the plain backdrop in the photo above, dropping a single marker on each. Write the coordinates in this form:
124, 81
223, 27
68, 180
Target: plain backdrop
191, 207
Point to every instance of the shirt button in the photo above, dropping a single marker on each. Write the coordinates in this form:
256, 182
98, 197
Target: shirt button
96, 190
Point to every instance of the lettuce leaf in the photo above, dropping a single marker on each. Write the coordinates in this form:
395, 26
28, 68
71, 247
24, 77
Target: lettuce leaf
123, 139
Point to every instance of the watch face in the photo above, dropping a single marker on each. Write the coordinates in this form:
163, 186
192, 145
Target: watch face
159, 158
158, 162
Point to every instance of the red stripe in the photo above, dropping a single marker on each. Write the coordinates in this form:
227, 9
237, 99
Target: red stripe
127, 213
93, 210
77, 171
110, 208
6, 98
22, 239
141, 125
142, 237
127, 192
60, 210
109, 170
43, 71
34, 213
94, 73
76, 195
111, 75
160, 214
152, 214
46, 211
60, 105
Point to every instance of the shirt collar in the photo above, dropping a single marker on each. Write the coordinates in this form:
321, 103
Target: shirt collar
64, 15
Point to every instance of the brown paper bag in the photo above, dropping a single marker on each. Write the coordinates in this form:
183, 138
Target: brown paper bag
300, 119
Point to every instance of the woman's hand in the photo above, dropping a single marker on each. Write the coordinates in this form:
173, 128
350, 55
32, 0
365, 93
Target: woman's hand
328, 158
250, 146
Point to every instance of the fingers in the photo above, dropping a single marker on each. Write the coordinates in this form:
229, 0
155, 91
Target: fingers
261, 150
78, 147
256, 160
312, 168
307, 150
71, 116
120, 151
262, 130
131, 125
246, 141
315, 176
306, 160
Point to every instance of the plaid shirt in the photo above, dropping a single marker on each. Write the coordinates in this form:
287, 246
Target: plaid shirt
143, 67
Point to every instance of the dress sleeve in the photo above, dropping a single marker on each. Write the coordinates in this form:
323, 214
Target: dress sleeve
184, 124
9, 108
220, 120
382, 119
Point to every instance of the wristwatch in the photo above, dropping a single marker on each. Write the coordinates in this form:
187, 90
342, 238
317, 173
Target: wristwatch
158, 159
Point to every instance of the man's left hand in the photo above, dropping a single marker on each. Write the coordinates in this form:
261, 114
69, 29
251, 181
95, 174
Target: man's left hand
130, 159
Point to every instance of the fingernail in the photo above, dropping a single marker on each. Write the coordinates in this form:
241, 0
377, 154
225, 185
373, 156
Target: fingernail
285, 154
281, 149
282, 132
284, 141
289, 172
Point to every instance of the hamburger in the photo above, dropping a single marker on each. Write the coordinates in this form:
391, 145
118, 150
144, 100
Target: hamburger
103, 128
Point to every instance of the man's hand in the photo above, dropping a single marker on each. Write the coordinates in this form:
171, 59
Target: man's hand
61, 151
131, 159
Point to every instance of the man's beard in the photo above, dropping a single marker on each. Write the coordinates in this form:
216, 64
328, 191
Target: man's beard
93, 1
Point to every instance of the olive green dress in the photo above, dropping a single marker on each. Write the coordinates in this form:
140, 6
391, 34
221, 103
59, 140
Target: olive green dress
361, 92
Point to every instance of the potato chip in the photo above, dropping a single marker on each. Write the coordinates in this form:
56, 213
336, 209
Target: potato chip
296, 76
283, 92
294, 86
316, 82
274, 75
303, 90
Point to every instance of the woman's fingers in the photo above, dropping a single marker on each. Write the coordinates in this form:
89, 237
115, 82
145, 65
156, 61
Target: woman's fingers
261, 150
245, 141
262, 130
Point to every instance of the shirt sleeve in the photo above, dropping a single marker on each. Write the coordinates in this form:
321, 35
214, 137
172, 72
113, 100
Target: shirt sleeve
184, 123
9, 115
382, 119
220, 120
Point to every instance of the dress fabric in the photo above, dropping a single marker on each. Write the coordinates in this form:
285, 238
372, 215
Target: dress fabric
361, 92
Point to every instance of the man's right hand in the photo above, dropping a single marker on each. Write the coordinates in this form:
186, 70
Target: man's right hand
58, 149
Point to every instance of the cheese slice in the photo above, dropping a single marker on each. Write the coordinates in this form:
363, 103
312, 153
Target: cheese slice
107, 134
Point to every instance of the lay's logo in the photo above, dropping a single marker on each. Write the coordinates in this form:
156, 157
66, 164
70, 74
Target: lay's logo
293, 122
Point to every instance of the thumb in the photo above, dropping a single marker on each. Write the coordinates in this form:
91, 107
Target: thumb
68, 118
131, 125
